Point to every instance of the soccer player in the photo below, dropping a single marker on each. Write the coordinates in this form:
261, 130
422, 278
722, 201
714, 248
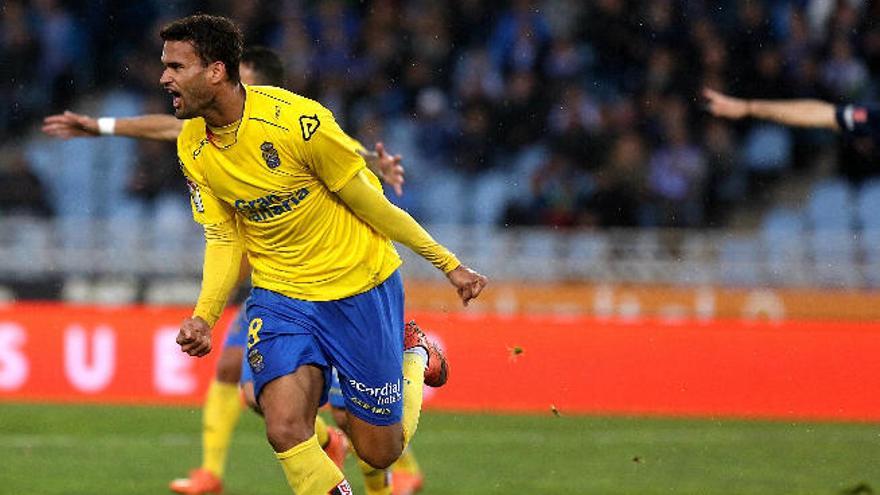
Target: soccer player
852, 119
316, 229
259, 66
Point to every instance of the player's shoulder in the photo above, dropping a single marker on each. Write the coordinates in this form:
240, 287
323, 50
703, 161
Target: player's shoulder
287, 110
272, 96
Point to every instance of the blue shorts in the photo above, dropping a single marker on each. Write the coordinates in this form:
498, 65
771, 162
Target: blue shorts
361, 336
236, 336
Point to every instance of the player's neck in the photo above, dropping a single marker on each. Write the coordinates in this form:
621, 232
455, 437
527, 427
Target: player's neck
228, 106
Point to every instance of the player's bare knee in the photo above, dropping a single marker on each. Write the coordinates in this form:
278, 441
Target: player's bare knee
284, 434
378, 451
380, 458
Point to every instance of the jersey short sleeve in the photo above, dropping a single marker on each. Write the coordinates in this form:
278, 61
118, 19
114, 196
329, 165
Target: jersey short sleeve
329, 150
858, 120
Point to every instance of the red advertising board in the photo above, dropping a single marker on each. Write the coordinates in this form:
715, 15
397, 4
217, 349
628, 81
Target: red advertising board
792, 369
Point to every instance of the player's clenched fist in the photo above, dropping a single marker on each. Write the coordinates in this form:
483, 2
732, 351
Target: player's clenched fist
194, 337
467, 282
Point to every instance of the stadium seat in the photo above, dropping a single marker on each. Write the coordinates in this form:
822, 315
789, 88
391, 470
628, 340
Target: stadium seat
834, 257
587, 253
830, 205
869, 242
738, 261
538, 253
172, 291
868, 205
782, 236
767, 148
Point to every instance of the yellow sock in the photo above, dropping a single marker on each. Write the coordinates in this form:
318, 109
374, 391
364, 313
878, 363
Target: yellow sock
376, 481
321, 431
407, 462
219, 417
308, 469
413, 381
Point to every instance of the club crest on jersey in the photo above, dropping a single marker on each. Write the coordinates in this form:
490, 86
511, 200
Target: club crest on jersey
270, 154
255, 359
309, 124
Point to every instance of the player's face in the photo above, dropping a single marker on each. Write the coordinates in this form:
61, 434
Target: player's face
186, 78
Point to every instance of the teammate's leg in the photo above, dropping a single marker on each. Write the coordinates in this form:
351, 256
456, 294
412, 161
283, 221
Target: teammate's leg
220, 415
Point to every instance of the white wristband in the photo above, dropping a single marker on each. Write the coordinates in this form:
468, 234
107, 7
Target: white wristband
106, 126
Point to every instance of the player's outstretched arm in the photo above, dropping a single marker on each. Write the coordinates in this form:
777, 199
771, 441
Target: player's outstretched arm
155, 126
386, 166
371, 206
795, 113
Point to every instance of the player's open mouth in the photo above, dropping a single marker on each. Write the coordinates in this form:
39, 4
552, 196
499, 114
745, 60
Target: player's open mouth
176, 100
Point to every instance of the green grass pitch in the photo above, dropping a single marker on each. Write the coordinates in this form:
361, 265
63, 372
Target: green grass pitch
92, 450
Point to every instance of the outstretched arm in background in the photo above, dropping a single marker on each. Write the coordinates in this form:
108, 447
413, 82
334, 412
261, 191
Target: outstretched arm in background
156, 126
795, 113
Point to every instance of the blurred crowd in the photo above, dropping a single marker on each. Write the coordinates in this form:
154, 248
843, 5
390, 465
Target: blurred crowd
520, 112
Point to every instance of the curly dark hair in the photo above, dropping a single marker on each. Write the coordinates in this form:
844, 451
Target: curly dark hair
215, 38
266, 63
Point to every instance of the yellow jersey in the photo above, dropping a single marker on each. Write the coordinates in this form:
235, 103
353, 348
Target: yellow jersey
276, 177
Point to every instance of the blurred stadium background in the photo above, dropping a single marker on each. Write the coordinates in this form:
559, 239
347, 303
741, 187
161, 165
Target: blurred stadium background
646, 259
